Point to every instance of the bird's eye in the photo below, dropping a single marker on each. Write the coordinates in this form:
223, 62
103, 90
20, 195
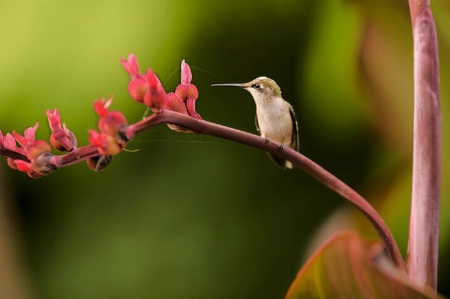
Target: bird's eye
257, 86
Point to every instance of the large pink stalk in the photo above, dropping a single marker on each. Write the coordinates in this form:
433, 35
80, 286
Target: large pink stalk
425, 200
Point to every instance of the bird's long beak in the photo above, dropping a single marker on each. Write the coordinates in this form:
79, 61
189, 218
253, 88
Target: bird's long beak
229, 85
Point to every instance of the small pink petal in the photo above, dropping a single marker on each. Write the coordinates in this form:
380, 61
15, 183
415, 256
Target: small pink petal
95, 138
23, 166
10, 162
186, 74
27, 140
108, 103
189, 94
30, 133
105, 144
101, 107
54, 120
155, 95
190, 105
137, 89
9, 142
131, 66
175, 103
112, 122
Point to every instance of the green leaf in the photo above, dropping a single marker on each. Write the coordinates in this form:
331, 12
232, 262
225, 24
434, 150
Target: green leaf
349, 267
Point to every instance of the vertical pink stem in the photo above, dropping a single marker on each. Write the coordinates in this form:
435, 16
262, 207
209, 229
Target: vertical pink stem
425, 201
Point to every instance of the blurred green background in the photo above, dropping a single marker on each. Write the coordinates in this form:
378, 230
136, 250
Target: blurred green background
191, 216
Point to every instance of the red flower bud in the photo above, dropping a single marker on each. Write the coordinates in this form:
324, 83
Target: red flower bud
186, 74
189, 94
112, 125
37, 151
61, 138
131, 66
155, 96
106, 144
137, 88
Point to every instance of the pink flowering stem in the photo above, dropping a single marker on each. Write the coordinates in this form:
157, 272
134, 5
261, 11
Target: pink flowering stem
425, 200
299, 160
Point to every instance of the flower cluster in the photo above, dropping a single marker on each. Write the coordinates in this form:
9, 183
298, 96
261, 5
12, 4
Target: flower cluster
35, 158
61, 138
112, 125
28, 147
147, 89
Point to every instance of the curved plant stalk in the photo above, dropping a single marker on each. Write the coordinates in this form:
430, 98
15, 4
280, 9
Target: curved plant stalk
204, 127
298, 159
177, 109
425, 199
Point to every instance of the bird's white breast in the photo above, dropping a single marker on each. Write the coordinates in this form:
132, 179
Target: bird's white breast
274, 120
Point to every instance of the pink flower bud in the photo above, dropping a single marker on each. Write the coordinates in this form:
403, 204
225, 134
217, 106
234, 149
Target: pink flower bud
175, 103
131, 66
23, 166
112, 125
10, 143
101, 106
27, 140
106, 144
10, 162
54, 120
61, 138
154, 98
186, 74
189, 94
137, 88
37, 152
112, 122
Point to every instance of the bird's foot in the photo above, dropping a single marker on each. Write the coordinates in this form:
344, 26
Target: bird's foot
280, 146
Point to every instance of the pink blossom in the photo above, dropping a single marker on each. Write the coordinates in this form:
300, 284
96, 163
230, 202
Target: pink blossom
101, 106
10, 143
23, 166
131, 66
31, 147
61, 138
155, 95
175, 103
186, 74
186, 91
27, 140
37, 152
137, 88
189, 94
105, 143
109, 121
112, 124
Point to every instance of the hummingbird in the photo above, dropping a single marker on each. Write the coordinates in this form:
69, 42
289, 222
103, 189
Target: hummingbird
275, 118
